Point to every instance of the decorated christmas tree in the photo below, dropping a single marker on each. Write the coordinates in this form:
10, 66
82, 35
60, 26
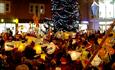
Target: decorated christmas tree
65, 15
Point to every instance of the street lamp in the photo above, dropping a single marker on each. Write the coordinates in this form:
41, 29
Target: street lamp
2, 20
94, 8
15, 21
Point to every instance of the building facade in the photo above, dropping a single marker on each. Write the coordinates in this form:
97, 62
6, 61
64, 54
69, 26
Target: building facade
21, 12
24, 9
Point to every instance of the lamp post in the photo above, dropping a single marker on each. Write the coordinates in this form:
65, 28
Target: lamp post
94, 8
16, 21
94, 20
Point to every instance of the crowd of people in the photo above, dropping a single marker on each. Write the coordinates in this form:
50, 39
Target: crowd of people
56, 51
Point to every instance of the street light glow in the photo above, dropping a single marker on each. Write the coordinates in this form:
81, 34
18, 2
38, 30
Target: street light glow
2, 20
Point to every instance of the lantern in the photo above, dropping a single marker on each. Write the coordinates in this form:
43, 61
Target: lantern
38, 49
74, 55
94, 8
43, 56
22, 47
102, 53
51, 48
110, 50
96, 61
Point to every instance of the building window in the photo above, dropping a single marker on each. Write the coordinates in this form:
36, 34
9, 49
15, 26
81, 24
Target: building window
7, 7
106, 13
4, 7
107, 9
36, 9
31, 8
42, 8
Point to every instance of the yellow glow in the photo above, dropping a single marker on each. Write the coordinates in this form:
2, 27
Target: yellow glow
37, 48
2, 20
21, 48
15, 21
43, 56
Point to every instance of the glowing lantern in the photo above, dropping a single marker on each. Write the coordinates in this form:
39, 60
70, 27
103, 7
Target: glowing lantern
58, 68
74, 55
15, 21
30, 39
110, 50
84, 54
17, 44
96, 61
51, 48
66, 35
102, 53
38, 49
2, 20
22, 47
7, 46
99, 41
43, 56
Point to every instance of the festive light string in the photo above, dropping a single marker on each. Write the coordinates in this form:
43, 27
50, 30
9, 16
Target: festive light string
65, 14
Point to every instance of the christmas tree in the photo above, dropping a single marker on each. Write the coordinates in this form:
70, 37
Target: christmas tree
65, 14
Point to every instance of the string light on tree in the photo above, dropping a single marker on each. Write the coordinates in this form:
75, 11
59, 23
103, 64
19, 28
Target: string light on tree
65, 14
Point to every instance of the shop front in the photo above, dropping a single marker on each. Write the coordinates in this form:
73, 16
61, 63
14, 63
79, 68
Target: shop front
5, 26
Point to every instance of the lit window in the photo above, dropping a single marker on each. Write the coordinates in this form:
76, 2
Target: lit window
4, 7
42, 8
106, 13
36, 8
106, 9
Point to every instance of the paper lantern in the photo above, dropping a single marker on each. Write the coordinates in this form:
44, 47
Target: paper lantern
84, 52
74, 55
96, 61
9, 46
74, 41
99, 41
38, 49
110, 50
16, 21
102, 53
30, 39
17, 44
66, 35
51, 48
22, 47
43, 56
